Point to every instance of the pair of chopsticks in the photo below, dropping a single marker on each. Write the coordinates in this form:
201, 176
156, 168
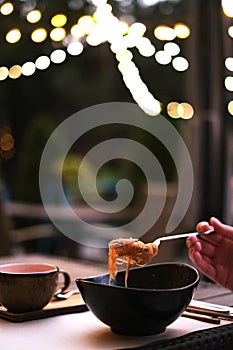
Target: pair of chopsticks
201, 317
205, 315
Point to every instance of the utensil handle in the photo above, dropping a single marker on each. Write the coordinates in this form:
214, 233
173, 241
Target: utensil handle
181, 235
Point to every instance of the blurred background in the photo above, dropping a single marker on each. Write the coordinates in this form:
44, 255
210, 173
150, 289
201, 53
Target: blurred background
59, 57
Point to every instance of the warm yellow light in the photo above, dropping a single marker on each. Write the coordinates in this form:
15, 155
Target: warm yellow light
123, 27
86, 23
125, 56
7, 142
172, 48
163, 57
145, 47
33, 16
58, 56
230, 107
229, 63
7, 8
180, 110
75, 48
187, 110
13, 36
15, 72
229, 83
59, 20
230, 31
42, 62
182, 31
28, 68
39, 35
227, 7
77, 31
57, 34
118, 46
172, 110
164, 32
137, 29
180, 64
3, 73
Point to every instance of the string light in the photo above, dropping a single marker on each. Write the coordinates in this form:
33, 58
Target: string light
102, 26
7, 8
33, 16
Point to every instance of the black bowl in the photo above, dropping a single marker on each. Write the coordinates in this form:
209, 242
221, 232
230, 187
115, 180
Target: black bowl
155, 297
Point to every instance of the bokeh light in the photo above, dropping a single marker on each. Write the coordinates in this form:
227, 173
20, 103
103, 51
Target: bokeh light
34, 16
180, 110
3, 73
229, 63
59, 20
39, 35
229, 83
42, 62
230, 107
180, 64
7, 8
163, 57
13, 36
75, 48
15, 71
58, 56
57, 34
28, 68
164, 32
182, 31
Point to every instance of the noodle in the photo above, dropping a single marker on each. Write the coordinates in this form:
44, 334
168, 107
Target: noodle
130, 250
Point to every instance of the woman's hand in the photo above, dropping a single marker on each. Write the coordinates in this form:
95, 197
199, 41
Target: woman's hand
213, 254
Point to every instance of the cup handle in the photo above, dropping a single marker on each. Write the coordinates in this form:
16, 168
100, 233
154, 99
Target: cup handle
66, 283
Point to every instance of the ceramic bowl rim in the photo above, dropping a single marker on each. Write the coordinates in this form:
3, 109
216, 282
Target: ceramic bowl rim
51, 269
87, 280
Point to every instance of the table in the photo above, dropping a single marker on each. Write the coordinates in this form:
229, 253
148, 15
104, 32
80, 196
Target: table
85, 332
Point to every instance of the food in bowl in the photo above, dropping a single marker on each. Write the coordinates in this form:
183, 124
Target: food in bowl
130, 250
155, 297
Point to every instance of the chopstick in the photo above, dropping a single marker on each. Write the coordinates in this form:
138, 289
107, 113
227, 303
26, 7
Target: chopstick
203, 318
202, 311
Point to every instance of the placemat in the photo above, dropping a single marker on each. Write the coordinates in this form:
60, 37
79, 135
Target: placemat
72, 305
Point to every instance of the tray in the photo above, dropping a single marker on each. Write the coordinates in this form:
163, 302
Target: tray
72, 305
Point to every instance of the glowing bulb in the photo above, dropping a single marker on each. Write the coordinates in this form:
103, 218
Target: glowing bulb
229, 83
75, 48
3, 73
182, 31
58, 56
180, 64
229, 63
172, 48
33, 16
28, 68
42, 62
164, 33
13, 36
39, 35
163, 57
59, 20
7, 8
15, 71
230, 107
227, 7
57, 34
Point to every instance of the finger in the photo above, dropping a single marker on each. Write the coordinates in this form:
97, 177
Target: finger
206, 248
204, 264
203, 226
190, 241
222, 229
